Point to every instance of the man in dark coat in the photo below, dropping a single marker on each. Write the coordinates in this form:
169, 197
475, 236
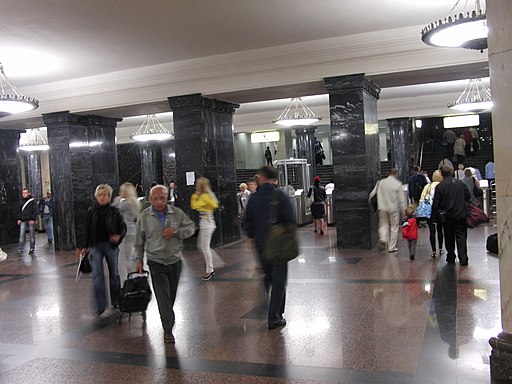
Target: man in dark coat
257, 224
27, 218
450, 208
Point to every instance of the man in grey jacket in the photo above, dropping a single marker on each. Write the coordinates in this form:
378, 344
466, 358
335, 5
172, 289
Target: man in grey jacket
161, 229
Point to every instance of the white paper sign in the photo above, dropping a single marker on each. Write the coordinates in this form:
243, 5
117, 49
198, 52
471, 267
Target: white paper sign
191, 178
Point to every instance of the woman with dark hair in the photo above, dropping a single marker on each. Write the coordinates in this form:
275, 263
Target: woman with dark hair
318, 208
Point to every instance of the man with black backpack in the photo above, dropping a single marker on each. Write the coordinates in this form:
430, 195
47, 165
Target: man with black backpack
27, 218
416, 184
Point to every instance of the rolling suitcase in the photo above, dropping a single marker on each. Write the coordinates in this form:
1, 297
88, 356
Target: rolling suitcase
135, 294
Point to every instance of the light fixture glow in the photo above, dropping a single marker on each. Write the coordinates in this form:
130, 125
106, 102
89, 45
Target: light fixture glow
151, 130
12, 100
475, 97
265, 137
297, 113
464, 31
461, 121
32, 141
418, 123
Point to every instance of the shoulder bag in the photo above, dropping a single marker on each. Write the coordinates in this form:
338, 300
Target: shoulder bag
281, 244
424, 210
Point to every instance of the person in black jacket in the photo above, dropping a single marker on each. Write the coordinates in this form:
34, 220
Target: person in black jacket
256, 223
450, 208
104, 232
27, 218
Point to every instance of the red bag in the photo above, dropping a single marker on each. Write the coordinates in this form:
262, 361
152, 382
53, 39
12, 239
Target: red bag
476, 216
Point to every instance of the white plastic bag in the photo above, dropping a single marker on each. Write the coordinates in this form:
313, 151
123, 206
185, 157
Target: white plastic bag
3, 255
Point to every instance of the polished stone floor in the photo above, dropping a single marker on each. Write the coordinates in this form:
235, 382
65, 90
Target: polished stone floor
353, 317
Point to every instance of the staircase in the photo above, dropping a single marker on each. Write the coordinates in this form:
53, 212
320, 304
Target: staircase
243, 175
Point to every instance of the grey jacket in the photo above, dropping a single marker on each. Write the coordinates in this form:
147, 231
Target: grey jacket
149, 235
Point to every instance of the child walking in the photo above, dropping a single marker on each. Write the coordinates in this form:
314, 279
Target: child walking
410, 231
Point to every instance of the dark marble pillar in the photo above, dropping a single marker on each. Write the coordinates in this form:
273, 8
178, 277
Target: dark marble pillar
203, 138
402, 150
151, 165
168, 161
129, 162
33, 174
82, 155
10, 186
355, 150
305, 140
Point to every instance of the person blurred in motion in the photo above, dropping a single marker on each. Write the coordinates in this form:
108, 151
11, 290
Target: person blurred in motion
129, 206
433, 227
45, 206
205, 202
27, 218
318, 206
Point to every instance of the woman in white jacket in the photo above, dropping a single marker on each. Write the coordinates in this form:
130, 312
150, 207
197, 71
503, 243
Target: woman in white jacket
428, 193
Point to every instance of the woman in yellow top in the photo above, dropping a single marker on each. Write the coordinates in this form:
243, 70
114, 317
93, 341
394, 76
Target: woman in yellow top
205, 202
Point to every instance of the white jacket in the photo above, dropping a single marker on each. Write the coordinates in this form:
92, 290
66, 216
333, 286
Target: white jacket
390, 195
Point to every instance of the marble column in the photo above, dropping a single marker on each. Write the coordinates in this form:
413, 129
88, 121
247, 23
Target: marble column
499, 14
33, 172
203, 137
151, 158
10, 186
355, 150
168, 161
402, 152
82, 155
305, 140
129, 162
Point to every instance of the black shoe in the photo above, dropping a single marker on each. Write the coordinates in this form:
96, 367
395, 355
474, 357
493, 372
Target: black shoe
463, 263
50, 241
31, 252
450, 261
411, 257
99, 312
169, 338
208, 276
280, 323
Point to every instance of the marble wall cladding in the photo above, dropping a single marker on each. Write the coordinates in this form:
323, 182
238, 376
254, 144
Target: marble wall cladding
33, 172
76, 170
129, 163
168, 161
149, 170
402, 152
10, 186
355, 149
305, 141
204, 146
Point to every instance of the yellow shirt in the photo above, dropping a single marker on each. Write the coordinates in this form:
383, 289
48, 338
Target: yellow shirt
203, 202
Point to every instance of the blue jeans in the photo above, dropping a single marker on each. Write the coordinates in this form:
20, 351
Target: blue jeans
96, 255
48, 224
32, 232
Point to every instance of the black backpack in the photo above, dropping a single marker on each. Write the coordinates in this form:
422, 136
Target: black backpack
492, 243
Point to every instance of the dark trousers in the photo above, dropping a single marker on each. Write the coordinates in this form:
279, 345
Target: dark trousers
449, 151
456, 231
433, 228
165, 280
275, 282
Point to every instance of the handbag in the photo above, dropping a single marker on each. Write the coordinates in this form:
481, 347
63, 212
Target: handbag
281, 244
477, 191
84, 265
476, 216
310, 200
424, 209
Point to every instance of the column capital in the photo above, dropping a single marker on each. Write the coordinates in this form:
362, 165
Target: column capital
10, 133
197, 100
349, 82
67, 117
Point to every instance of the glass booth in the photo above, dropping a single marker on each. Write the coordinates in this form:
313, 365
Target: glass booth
295, 172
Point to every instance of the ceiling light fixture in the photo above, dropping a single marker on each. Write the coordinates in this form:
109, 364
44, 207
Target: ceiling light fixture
464, 31
297, 113
33, 140
151, 130
11, 100
475, 97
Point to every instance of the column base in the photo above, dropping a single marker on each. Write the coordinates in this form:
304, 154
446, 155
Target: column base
501, 358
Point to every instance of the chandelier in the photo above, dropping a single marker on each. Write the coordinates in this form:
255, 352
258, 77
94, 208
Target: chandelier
297, 113
475, 97
33, 140
11, 100
463, 30
151, 130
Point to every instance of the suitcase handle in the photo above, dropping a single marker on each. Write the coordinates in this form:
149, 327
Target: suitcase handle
143, 273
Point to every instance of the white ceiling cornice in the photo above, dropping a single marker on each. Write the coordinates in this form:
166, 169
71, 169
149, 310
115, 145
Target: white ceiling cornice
371, 53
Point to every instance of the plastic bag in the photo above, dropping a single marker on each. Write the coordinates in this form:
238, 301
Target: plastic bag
3, 255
